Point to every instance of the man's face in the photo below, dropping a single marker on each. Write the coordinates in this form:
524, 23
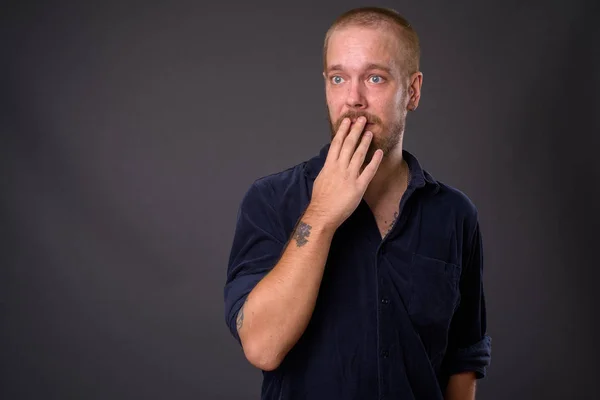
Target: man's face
364, 76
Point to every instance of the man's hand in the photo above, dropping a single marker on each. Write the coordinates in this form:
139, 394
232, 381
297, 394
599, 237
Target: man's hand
340, 185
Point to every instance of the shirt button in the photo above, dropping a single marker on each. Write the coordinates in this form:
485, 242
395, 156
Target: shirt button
385, 354
385, 300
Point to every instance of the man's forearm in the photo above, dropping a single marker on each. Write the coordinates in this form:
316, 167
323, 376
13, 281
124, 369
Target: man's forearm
278, 309
461, 387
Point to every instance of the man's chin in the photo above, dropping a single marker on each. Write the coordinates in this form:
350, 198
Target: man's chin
371, 153
372, 128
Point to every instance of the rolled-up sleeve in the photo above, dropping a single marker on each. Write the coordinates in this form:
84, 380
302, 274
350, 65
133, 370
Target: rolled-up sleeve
257, 246
469, 346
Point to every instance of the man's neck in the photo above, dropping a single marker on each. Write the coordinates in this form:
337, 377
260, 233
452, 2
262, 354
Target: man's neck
391, 178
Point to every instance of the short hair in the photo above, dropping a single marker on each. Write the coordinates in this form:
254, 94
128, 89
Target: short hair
375, 17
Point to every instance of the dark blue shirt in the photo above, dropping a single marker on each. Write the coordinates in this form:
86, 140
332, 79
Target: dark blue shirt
394, 318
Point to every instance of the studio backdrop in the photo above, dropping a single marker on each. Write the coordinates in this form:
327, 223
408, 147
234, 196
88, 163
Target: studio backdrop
129, 132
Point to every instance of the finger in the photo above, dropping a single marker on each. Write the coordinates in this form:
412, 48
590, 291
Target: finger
349, 145
338, 140
369, 172
358, 158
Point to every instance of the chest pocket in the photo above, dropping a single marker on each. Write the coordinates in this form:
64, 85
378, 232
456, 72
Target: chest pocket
434, 296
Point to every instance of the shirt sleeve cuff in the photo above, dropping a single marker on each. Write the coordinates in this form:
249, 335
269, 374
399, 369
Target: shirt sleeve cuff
475, 358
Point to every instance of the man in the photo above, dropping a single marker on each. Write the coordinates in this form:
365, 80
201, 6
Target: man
355, 274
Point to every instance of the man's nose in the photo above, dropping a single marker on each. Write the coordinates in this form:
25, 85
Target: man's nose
355, 98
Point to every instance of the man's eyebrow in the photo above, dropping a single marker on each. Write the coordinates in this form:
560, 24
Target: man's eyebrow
369, 67
335, 67
380, 67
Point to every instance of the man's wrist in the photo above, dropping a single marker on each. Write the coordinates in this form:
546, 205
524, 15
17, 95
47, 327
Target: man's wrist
319, 220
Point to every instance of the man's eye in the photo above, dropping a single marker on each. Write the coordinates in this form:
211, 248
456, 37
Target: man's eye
336, 80
376, 79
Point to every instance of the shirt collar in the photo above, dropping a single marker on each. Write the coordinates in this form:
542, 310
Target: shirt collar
418, 176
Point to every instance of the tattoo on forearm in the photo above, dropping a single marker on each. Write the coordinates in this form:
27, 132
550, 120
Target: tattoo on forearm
301, 233
240, 316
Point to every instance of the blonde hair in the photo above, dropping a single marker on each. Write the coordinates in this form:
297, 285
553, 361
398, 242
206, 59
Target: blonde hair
376, 17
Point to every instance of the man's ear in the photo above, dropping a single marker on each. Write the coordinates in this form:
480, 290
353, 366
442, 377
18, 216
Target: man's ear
414, 91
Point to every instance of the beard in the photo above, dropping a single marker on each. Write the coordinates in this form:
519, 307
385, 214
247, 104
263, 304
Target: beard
386, 139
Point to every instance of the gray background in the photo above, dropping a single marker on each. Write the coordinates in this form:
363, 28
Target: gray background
130, 131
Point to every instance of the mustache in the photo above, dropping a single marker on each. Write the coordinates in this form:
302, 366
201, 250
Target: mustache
371, 118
